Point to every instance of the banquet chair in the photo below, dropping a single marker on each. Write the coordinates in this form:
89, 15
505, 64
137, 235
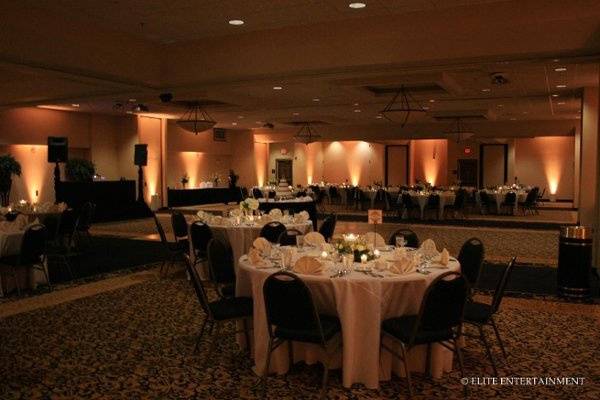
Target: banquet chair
540, 197
482, 314
61, 248
470, 257
485, 203
439, 320
408, 204
327, 228
173, 251
86, 216
200, 236
288, 237
272, 230
293, 317
272, 194
334, 195
219, 312
508, 205
530, 202
458, 207
411, 239
433, 204
180, 228
221, 267
32, 254
257, 193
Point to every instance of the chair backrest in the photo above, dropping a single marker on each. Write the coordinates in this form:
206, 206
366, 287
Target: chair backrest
197, 285
443, 303
459, 200
272, 230
301, 193
328, 226
333, 192
532, 195
161, 232
541, 196
471, 257
288, 237
68, 223
510, 198
433, 200
86, 215
200, 235
411, 238
407, 200
257, 193
179, 224
289, 303
483, 197
272, 194
33, 244
220, 262
501, 285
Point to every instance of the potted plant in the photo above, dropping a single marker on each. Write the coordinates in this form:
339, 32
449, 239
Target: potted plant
80, 170
8, 167
233, 178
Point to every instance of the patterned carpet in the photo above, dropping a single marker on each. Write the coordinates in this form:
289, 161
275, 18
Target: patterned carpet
137, 342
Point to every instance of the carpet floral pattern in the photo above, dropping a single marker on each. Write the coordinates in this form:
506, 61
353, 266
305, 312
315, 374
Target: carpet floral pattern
137, 342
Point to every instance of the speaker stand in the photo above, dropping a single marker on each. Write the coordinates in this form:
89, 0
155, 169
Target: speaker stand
56, 182
140, 184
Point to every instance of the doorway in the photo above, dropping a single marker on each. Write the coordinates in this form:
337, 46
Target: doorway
396, 165
467, 172
493, 164
284, 170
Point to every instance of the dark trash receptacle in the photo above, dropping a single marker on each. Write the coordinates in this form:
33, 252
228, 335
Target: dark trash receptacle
574, 261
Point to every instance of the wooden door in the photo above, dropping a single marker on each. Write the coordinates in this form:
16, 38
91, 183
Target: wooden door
467, 172
284, 170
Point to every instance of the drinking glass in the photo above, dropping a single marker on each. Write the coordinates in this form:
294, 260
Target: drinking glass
348, 260
299, 242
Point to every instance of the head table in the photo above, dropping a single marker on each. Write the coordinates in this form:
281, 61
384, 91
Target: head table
362, 302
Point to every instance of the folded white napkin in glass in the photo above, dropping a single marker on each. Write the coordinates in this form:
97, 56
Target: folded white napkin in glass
308, 265
314, 239
263, 245
405, 265
275, 213
257, 260
443, 258
428, 249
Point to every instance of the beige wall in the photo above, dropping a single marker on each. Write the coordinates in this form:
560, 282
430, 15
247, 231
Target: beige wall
429, 161
355, 162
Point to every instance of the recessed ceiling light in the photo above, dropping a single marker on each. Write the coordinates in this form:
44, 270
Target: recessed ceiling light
560, 69
277, 87
316, 99
75, 105
357, 6
513, 119
556, 60
486, 90
240, 117
425, 108
355, 104
561, 103
432, 101
500, 105
554, 95
236, 22
379, 116
561, 86
234, 123
296, 113
132, 100
258, 122
525, 112
357, 110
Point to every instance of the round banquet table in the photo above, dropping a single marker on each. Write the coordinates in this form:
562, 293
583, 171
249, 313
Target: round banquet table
361, 302
446, 198
242, 236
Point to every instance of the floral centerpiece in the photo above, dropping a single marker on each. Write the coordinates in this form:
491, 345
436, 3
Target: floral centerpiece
249, 205
354, 244
185, 179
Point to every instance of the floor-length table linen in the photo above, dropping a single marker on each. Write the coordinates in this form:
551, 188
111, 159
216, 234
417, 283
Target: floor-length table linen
362, 303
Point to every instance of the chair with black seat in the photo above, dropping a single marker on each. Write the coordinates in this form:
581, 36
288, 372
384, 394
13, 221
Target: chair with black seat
221, 267
31, 254
408, 205
485, 203
540, 197
86, 216
60, 249
272, 230
219, 312
350, 196
272, 194
470, 257
180, 228
439, 320
257, 193
334, 195
200, 234
327, 228
173, 251
293, 317
482, 314
458, 207
433, 204
288, 237
410, 238
509, 203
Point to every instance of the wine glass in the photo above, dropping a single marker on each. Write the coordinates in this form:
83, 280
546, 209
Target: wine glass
400, 242
300, 242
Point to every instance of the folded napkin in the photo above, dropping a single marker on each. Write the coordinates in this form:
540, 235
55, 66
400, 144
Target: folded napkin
380, 265
308, 265
428, 249
275, 213
443, 258
399, 252
301, 217
216, 220
256, 259
314, 239
405, 265
261, 244
375, 239
236, 212
9, 227
202, 216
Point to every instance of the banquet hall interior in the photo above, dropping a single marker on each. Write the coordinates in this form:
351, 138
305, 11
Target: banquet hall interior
223, 199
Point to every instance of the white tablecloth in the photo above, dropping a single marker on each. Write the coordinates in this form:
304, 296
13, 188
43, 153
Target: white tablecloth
362, 303
10, 244
498, 197
446, 198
